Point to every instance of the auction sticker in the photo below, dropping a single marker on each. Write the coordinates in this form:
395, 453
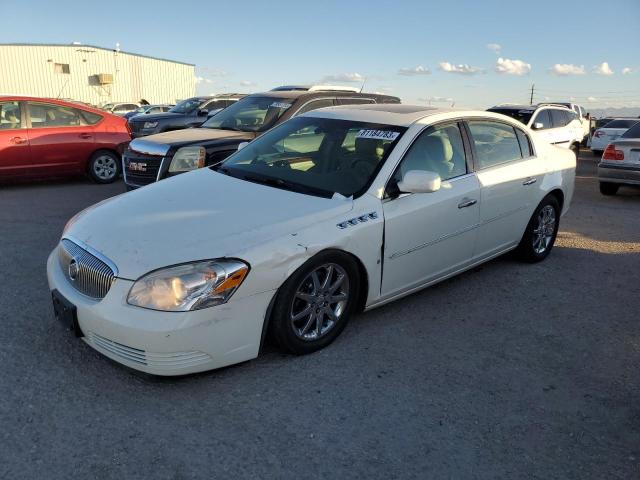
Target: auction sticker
378, 134
280, 105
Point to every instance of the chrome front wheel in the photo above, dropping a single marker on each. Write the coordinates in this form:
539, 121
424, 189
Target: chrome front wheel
319, 302
544, 230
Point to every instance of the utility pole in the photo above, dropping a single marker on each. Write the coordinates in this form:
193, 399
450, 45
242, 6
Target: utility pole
531, 99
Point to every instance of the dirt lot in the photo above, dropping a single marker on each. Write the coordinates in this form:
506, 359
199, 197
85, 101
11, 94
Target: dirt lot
508, 371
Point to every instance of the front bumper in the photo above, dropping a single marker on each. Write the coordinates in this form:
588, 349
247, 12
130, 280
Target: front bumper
624, 174
165, 343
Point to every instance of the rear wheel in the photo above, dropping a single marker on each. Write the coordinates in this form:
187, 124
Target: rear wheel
104, 166
314, 305
540, 234
607, 188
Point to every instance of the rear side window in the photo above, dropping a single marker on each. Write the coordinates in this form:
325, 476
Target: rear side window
559, 118
543, 117
10, 116
633, 132
315, 104
44, 115
621, 123
90, 118
495, 143
525, 144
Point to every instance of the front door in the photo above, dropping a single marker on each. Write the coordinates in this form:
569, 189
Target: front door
15, 154
428, 235
61, 141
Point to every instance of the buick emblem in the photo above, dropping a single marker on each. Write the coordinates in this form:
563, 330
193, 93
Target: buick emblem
74, 269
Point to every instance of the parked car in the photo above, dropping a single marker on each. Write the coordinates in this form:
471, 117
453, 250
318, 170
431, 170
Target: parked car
620, 163
46, 137
148, 110
609, 132
333, 211
558, 125
120, 109
583, 117
192, 112
153, 158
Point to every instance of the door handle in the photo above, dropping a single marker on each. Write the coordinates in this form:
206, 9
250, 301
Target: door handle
467, 202
530, 181
85, 135
19, 140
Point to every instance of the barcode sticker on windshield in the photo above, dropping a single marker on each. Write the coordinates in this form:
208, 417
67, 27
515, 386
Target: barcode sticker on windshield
378, 134
280, 105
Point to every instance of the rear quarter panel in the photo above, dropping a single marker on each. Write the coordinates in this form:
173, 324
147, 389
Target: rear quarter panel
560, 167
112, 133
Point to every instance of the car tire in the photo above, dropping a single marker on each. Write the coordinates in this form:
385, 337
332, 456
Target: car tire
608, 189
597, 153
540, 235
104, 166
301, 321
575, 148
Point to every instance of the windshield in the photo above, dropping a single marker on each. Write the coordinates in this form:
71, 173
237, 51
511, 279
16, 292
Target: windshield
108, 106
251, 114
187, 106
317, 156
521, 115
621, 123
142, 109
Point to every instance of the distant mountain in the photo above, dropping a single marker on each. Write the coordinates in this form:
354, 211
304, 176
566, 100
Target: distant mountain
614, 112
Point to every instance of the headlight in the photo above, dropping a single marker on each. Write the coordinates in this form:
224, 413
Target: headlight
150, 125
190, 286
188, 158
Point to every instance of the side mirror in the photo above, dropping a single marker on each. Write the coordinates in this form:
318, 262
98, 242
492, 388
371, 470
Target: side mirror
203, 112
537, 126
419, 181
241, 145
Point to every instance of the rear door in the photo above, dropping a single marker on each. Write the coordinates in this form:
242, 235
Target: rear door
60, 139
15, 152
509, 173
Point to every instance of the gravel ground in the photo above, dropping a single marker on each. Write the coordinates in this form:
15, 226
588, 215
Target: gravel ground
508, 371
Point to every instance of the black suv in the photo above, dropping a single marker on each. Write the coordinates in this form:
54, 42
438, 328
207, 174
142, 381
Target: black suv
191, 112
153, 158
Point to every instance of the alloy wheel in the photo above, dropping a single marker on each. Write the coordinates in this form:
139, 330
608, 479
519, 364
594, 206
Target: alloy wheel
105, 167
544, 229
320, 301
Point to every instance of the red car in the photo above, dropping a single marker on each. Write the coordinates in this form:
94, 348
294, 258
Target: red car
45, 137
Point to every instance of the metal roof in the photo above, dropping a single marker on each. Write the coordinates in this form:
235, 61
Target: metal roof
83, 45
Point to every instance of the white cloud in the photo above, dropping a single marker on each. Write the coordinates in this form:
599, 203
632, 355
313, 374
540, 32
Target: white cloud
436, 99
213, 72
419, 70
592, 99
603, 69
627, 70
344, 77
248, 83
564, 69
512, 67
494, 47
461, 68
200, 80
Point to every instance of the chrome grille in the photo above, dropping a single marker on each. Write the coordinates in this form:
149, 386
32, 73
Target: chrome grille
92, 276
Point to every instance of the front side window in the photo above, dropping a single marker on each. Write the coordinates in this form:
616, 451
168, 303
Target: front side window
315, 104
44, 115
559, 118
317, 156
438, 149
543, 119
251, 114
187, 106
495, 143
10, 116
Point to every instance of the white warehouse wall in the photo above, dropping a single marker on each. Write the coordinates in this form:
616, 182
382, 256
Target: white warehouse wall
30, 70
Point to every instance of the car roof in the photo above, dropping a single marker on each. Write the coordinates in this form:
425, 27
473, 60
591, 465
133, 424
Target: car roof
386, 113
296, 94
68, 103
531, 108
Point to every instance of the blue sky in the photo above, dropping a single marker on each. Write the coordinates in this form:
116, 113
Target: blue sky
422, 51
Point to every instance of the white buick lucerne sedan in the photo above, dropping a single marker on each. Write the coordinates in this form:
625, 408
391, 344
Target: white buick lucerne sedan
335, 211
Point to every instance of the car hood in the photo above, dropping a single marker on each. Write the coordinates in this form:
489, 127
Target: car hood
192, 135
198, 215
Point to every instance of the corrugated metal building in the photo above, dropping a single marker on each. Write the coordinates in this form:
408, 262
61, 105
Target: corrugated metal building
92, 74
